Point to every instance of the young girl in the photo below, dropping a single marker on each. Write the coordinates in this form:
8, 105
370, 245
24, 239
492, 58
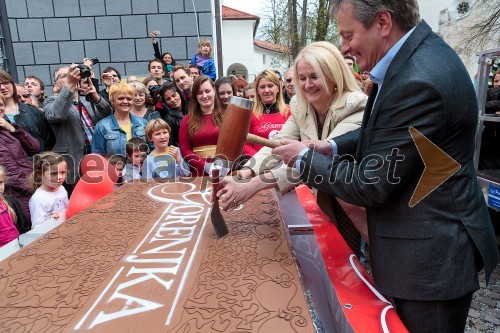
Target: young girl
50, 199
8, 216
203, 59
164, 161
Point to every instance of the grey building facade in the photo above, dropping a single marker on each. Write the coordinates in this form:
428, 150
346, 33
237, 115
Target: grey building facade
40, 35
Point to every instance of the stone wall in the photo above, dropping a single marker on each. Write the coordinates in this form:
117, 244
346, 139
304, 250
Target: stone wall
48, 33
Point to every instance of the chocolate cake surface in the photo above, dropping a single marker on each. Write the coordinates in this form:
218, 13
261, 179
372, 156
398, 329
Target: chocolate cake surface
146, 259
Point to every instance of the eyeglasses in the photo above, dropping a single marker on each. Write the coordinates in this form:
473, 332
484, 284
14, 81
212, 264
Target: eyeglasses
5, 84
23, 96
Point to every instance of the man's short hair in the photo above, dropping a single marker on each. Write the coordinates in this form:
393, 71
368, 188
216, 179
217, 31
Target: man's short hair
109, 69
179, 67
404, 12
194, 66
37, 79
155, 60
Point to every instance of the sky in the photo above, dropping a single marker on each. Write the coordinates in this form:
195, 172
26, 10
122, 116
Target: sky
429, 9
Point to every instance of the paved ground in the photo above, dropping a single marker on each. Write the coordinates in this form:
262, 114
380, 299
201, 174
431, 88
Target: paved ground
484, 314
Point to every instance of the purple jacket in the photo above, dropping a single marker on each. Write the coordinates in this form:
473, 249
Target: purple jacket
14, 150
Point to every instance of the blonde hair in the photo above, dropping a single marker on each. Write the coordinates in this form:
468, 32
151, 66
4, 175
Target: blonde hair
11, 211
120, 88
140, 87
154, 125
258, 105
329, 65
41, 163
204, 42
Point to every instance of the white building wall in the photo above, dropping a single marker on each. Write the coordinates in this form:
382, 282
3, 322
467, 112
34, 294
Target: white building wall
455, 31
272, 61
237, 44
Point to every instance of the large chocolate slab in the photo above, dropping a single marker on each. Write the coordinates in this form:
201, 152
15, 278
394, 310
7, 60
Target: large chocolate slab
146, 259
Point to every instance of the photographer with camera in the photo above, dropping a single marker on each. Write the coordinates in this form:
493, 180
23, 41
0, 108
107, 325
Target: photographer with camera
72, 114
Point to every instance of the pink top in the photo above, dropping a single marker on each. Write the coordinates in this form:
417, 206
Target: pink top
267, 126
8, 230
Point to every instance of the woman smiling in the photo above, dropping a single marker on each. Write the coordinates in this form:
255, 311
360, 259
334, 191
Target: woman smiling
329, 103
111, 133
199, 130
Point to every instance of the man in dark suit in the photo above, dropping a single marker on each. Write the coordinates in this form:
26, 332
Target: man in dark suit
427, 254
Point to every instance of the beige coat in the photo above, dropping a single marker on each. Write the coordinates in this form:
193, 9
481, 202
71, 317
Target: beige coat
343, 117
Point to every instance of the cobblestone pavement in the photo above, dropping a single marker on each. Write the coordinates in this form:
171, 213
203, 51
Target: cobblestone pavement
484, 314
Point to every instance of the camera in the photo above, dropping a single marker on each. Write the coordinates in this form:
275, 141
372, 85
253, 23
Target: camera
154, 91
85, 71
94, 60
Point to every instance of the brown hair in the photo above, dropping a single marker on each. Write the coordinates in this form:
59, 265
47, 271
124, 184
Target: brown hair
4, 76
41, 163
136, 144
240, 83
194, 121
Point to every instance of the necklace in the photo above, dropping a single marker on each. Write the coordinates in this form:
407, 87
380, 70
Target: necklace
267, 110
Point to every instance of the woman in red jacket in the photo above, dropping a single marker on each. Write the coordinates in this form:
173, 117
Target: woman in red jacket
199, 130
269, 109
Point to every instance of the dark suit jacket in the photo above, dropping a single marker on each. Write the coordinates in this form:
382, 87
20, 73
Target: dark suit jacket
433, 250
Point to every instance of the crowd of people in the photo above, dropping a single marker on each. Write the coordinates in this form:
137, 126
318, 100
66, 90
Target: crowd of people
164, 126
167, 126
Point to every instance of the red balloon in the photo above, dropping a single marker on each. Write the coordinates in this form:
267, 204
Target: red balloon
97, 181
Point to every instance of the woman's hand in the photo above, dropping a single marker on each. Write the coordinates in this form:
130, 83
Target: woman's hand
6, 125
153, 36
54, 215
233, 193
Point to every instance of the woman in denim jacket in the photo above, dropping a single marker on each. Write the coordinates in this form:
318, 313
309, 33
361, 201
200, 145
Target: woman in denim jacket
111, 133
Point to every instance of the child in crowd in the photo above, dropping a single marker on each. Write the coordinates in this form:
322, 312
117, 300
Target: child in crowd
203, 59
164, 161
8, 216
137, 151
118, 161
50, 199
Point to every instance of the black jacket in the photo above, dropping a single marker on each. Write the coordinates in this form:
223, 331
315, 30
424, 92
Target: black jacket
173, 118
31, 119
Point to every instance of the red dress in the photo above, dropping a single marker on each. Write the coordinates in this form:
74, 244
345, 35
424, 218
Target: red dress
207, 135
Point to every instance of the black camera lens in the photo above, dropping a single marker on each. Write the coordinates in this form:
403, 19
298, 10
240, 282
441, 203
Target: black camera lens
84, 71
154, 91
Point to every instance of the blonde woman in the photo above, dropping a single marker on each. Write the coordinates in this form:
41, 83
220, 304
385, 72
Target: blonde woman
329, 103
269, 109
139, 108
